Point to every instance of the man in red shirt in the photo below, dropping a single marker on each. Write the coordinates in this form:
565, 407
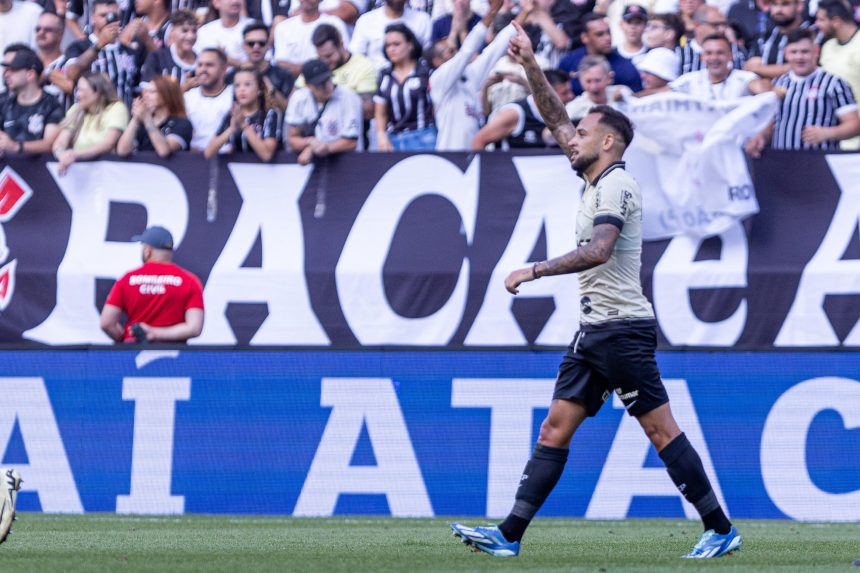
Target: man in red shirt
163, 301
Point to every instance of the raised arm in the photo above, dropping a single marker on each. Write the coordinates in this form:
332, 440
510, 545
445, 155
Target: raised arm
549, 104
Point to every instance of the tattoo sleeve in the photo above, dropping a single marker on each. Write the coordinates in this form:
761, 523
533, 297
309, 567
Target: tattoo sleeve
550, 106
594, 253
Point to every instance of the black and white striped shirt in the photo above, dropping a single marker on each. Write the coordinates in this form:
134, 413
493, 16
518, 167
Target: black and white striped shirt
121, 64
165, 62
690, 57
771, 48
817, 99
409, 105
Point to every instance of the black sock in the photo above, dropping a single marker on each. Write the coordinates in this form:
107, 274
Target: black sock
539, 478
688, 474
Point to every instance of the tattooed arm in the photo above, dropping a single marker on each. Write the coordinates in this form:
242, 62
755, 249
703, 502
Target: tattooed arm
551, 109
594, 253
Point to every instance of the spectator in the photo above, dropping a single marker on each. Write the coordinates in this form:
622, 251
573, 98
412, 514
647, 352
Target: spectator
751, 16
93, 125
207, 103
687, 10
456, 83
658, 68
767, 59
253, 123
18, 20
349, 70
404, 112
663, 31
454, 25
598, 42
370, 30
595, 75
269, 12
548, 37
163, 301
225, 33
707, 21
324, 118
519, 124
840, 54
293, 45
151, 24
103, 51
507, 82
818, 109
176, 60
279, 81
719, 79
633, 23
49, 33
30, 116
158, 121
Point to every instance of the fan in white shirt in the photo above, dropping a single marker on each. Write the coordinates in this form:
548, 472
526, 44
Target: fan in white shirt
368, 36
718, 80
207, 104
293, 45
225, 33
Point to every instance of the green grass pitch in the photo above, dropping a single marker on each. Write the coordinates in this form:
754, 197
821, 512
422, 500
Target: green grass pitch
109, 543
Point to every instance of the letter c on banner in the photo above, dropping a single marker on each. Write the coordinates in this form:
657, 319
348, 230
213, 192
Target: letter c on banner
360, 284
783, 449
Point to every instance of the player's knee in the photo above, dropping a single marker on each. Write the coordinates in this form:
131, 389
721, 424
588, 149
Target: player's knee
553, 434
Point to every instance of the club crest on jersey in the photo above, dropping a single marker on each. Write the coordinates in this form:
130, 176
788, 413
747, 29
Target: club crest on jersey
14, 192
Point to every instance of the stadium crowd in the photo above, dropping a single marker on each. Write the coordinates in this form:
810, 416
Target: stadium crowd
320, 77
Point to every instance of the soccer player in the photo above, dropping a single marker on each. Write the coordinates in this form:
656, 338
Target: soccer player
614, 348
10, 483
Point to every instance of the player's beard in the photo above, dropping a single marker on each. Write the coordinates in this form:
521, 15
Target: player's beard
583, 162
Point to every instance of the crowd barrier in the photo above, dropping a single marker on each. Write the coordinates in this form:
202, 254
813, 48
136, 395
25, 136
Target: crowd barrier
414, 433
369, 250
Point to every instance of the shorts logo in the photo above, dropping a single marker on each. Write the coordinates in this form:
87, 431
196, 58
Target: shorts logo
606, 395
627, 396
585, 305
14, 192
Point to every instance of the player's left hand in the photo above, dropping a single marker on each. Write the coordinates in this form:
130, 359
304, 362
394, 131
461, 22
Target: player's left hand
517, 278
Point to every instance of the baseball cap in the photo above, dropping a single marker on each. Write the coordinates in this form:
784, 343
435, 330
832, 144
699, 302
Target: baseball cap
316, 73
662, 62
635, 12
156, 237
26, 60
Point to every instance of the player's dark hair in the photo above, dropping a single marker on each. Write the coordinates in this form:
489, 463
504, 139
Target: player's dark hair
836, 9
326, 33
416, 49
616, 121
556, 77
718, 38
255, 26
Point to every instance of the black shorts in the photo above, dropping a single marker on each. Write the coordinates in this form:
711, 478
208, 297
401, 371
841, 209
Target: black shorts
613, 356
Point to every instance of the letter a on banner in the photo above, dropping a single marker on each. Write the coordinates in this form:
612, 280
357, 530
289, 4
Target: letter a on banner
373, 403
48, 473
552, 196
624, 475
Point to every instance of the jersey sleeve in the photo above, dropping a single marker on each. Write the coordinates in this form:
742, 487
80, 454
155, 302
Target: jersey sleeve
195, 296
183, 131
272, 125
115, 297
614, 203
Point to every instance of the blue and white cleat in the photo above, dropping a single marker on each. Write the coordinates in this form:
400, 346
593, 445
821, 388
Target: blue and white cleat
487, 539
712, 544
10, 483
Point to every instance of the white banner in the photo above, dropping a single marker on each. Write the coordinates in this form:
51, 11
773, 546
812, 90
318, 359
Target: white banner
689, 160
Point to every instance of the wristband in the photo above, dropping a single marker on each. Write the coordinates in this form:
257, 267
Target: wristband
534, 272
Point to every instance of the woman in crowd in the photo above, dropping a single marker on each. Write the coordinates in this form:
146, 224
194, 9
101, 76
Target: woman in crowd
404, 113
254, 124
158, 120
93, 125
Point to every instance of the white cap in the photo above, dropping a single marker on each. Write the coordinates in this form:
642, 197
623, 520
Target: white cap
661, 62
